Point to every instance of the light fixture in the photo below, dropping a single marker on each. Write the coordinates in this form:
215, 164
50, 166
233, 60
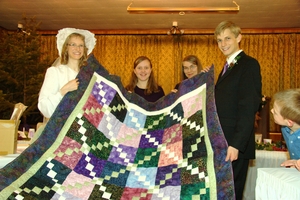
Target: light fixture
20, 29
183, 10
174, 29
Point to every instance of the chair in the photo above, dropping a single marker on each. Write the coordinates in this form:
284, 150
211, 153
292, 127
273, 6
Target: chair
18, 111
9, 130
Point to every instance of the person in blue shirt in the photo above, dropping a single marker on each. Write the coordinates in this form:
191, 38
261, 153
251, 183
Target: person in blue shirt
286, 112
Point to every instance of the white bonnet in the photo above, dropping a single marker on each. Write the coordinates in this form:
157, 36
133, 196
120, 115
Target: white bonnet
90, 40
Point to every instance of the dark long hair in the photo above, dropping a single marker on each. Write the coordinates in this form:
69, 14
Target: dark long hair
152, 86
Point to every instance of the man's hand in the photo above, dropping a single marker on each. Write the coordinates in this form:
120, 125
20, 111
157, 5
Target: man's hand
291, 163
232, 154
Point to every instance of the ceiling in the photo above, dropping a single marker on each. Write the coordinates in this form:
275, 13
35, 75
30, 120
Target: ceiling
113, 15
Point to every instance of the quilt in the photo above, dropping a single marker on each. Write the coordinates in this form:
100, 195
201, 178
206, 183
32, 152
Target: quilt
103, 142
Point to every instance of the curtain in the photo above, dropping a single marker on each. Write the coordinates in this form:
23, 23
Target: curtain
278, 55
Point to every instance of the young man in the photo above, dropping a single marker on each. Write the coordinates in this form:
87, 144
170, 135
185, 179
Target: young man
238, 96
286, 112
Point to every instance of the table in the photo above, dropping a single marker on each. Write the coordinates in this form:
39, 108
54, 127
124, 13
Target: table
277, 183
264, 159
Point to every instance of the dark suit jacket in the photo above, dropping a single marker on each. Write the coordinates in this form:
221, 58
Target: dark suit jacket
238, 95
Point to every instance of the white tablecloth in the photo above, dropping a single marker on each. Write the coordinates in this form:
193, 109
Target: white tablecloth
277, 184
264, 159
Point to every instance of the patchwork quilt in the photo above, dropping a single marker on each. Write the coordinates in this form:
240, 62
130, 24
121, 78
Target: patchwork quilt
105, 143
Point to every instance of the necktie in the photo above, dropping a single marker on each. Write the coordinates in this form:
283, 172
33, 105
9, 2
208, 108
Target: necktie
225, 68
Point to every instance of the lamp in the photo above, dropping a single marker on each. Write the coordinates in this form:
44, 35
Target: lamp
20, 29
183, 10
174, 29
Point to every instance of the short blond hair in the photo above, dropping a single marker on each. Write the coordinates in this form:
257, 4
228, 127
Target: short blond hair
236, 30
289, 103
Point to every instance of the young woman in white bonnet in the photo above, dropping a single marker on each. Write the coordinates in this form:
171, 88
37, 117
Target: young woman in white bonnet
73, 46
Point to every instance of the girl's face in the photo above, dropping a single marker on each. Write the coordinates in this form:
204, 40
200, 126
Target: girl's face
278, 119
75, 48
189, 69
143, 70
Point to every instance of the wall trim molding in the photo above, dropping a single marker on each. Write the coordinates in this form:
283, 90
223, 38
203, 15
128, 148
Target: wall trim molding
186, 31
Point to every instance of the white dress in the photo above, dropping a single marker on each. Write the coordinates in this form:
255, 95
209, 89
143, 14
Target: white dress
55, 79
